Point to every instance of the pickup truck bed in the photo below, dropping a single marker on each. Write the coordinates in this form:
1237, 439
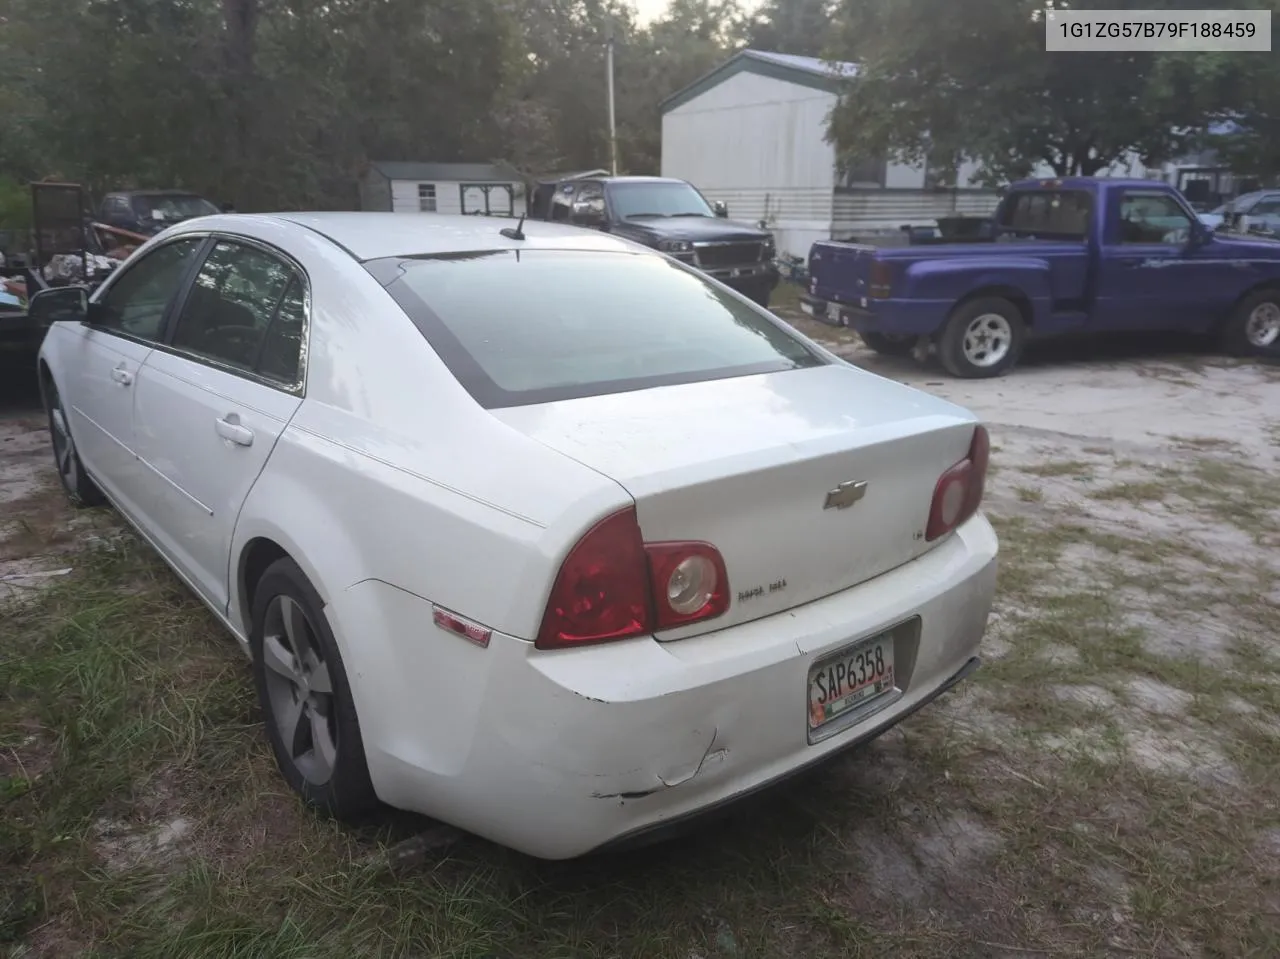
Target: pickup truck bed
1076, 255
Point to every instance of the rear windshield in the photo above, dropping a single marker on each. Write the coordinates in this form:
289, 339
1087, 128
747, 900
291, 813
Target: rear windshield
521, 327
1053, 214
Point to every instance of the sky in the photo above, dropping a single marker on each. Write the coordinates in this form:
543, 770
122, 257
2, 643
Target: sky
650, 9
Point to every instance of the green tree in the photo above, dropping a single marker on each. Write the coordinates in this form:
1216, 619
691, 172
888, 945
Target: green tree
940, 80
790, 26
1239, 87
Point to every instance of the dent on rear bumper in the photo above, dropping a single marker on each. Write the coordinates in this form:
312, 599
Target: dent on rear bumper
559, 753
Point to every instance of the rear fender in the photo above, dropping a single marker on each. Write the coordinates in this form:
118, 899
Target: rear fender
960, 279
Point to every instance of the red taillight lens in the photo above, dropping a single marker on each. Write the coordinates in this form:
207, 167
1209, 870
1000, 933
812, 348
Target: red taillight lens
613, 585
959, 491
602, 591
880, 282
689, 582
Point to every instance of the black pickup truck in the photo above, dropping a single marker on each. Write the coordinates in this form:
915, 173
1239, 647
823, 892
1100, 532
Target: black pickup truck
667, 215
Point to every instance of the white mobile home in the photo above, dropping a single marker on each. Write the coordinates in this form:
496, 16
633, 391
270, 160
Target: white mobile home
752, 133
480, 188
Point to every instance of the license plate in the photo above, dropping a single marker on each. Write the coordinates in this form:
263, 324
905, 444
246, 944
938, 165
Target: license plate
807, 308
833, 312
849, 680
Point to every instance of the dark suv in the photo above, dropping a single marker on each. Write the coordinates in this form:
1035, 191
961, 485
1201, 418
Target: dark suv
149, 211
670, 216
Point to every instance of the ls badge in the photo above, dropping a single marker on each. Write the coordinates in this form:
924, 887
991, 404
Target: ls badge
845, 495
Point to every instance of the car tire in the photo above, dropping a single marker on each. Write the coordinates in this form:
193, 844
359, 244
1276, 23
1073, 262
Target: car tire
983, 338
306, 701
82, 491
1253, 328
888, 344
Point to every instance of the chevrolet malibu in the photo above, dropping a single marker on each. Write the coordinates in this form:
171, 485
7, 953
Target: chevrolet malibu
532, 530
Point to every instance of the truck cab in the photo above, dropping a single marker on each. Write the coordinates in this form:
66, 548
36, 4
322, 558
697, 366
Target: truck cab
1071, 255
668, 215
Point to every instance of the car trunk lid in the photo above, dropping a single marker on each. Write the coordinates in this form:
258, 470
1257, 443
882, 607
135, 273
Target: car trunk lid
807, 482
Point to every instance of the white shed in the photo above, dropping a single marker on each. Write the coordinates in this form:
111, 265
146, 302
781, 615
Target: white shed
752, 133
481, 188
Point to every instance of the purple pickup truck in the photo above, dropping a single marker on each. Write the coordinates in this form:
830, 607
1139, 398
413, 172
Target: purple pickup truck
1071, 255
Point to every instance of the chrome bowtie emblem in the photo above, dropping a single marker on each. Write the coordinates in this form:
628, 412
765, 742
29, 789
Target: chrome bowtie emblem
845, 495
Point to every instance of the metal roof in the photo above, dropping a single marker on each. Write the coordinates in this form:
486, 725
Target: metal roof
805, 71
447, 172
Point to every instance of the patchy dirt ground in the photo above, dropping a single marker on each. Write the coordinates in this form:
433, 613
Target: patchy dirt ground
1108, 784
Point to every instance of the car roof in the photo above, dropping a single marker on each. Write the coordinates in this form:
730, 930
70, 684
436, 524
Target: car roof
373, 236
642, 179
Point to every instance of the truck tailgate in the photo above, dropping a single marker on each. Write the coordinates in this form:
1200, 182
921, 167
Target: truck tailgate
840, 272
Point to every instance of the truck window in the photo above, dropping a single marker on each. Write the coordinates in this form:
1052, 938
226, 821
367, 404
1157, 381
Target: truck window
1150, 217
1055, 214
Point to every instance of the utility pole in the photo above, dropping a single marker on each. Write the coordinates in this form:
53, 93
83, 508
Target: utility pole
613, 132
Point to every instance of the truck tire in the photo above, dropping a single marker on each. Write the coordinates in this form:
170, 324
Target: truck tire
887, 344
1253, 329
982, 338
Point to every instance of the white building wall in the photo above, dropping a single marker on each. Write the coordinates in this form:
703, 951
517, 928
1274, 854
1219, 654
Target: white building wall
404, 196
758, 144
875, 210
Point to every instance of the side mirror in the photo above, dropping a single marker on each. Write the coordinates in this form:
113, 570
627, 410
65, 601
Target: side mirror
1200, 236
720, 209
63, 304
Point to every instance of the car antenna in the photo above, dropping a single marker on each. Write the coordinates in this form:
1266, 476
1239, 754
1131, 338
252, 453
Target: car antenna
514, 232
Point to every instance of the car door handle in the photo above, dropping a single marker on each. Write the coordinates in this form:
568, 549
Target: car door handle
229, 428
122, 376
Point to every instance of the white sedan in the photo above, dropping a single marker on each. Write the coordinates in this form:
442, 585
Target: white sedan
537, 532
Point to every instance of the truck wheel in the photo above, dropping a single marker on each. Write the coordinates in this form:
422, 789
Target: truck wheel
887, 344
1253, 329
983, 338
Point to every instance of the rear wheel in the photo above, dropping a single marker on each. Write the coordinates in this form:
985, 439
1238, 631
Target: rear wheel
983, 338
80, 489
1253, 329
890, 344
306, 700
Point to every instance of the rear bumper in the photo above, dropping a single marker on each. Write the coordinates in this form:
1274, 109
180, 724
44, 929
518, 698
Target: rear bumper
670, 828
560, 753
901, 317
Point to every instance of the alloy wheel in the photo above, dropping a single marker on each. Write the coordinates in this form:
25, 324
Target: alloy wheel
987, 340
299, 689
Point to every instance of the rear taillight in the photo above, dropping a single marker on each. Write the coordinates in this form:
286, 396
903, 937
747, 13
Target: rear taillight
689, 582
959, 491
880, 282
613, 585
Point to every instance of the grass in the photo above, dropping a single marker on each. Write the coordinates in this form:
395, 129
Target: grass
1056, 468
1006, 819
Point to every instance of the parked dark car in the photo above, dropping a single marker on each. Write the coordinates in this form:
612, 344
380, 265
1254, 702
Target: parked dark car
150, 211
667, 215
1071, 255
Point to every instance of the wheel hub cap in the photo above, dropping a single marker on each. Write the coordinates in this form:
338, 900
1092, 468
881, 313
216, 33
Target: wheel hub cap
1263, 327
987, 340
299, 690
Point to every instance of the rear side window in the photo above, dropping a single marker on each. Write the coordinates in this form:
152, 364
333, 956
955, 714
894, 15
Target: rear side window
542, 325
244, 309
1054, 214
